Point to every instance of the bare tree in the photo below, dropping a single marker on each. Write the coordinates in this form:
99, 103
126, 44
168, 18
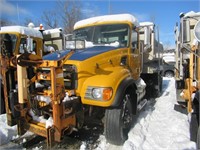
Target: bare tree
5, 22
65, 15
26, 21
50, 19
70, 13
167, 45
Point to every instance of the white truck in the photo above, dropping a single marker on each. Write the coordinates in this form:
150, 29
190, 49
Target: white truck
187, 67
152, 58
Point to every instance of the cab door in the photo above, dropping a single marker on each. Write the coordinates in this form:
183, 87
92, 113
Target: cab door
134, 55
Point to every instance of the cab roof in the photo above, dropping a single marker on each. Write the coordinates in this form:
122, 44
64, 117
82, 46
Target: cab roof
22, 30
192, 14
107, 18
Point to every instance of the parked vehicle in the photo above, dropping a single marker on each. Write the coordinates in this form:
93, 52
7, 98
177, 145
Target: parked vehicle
16, 40
99, 75
152, 66
169, 64
188, 63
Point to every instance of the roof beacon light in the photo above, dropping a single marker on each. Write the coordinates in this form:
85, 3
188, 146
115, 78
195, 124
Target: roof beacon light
41, 27
31, 25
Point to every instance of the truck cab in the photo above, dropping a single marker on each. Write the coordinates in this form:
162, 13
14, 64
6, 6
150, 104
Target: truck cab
15, 40
17, 36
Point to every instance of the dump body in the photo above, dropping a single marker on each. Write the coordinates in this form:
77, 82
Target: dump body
152, 68
187, 71
155, 51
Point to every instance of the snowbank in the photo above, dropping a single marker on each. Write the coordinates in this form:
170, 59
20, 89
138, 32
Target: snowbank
159, 126
6, 132
107, 18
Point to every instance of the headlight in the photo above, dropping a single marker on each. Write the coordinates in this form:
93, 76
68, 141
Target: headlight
99, 93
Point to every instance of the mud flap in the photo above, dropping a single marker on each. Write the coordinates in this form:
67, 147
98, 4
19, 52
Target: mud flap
193, 127
181, 108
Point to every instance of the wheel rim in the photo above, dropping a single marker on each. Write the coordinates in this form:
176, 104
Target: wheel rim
126, 112
169, 74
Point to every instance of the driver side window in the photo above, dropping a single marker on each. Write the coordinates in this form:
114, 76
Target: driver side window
23, 46
27, 47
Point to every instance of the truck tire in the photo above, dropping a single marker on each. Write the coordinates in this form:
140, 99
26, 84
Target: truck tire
169, 74
2, 102
118, 121
198, 138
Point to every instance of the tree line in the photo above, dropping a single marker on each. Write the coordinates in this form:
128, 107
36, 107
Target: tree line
65, 14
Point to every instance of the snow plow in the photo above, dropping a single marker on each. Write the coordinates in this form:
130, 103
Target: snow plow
187, 66
98, 75
18, 40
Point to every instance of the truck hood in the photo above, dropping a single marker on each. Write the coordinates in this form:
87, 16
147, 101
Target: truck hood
79, 55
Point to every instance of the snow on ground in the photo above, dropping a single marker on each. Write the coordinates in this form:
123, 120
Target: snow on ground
6, 132
159, 126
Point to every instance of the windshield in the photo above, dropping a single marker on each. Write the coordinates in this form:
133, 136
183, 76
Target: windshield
107, 35
8, 43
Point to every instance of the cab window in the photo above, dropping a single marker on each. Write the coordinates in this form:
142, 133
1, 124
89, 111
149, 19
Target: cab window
23, 46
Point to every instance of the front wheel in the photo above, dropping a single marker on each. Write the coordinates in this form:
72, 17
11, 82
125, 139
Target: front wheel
118, 121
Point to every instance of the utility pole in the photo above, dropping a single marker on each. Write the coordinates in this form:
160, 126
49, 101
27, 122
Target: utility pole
18, 14
109, 7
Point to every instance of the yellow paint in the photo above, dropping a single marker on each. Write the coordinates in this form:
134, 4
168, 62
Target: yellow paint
104, 70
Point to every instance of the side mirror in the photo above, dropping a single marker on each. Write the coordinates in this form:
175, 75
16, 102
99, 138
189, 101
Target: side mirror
147, 38
185, 31
29, 42
197, 31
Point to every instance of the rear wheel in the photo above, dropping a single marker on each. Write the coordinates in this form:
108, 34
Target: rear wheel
118, 121
2, 101
169, 74
198, 138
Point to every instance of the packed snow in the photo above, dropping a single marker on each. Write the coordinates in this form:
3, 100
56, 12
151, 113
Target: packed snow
158, 126
106, 18
23, 30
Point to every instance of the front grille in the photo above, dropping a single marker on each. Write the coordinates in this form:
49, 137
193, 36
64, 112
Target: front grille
70, 77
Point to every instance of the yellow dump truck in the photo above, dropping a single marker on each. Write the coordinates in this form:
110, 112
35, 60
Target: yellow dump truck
98, 75
187, 73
